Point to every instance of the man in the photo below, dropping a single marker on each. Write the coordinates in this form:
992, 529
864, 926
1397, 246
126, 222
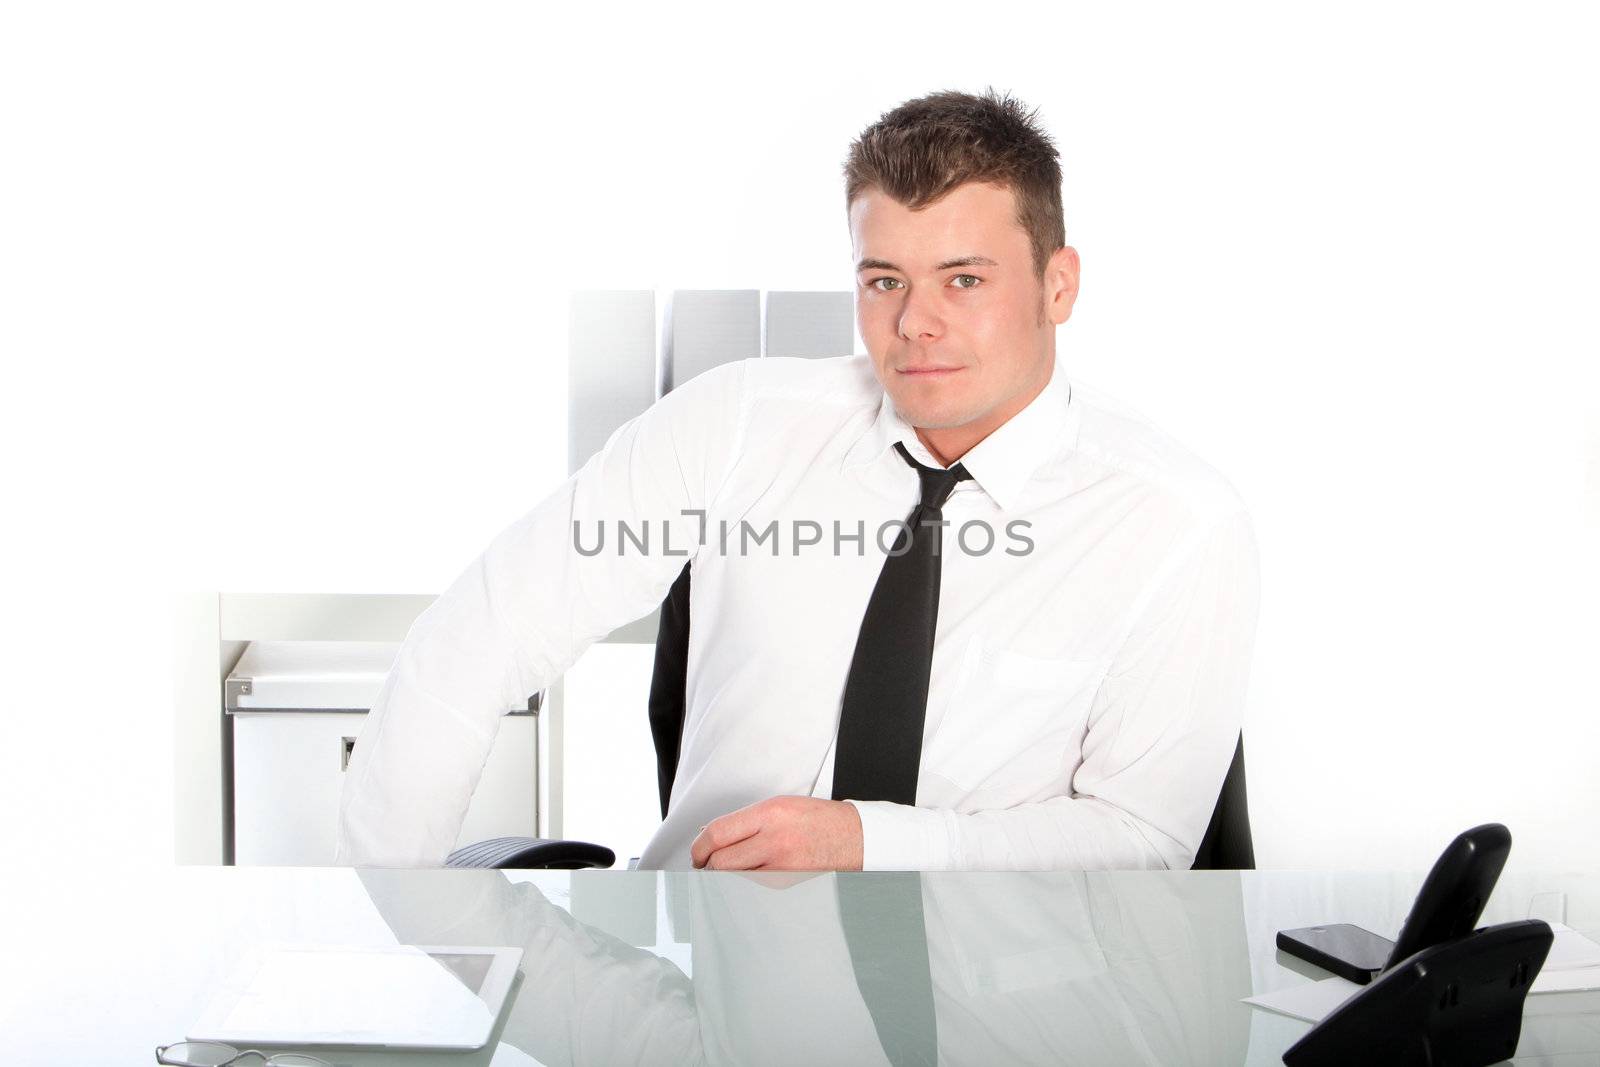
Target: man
1044, 668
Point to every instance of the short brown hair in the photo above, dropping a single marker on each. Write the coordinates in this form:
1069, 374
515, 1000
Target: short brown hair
926, 147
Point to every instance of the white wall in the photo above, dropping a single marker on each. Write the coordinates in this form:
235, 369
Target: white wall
283, 293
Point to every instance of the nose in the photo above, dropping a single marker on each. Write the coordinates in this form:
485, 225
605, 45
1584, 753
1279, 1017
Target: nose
919, 319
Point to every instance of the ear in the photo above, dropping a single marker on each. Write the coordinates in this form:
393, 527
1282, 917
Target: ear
1061, 284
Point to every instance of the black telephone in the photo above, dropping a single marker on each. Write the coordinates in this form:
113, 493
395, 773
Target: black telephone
1448, 905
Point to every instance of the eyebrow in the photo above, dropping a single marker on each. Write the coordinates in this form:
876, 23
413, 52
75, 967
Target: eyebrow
964, 261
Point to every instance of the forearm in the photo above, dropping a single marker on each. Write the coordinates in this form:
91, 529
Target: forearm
1062, 833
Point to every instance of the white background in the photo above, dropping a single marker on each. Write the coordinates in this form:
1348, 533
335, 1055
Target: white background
283, 295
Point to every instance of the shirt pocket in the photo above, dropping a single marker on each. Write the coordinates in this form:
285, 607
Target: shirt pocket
1013, 713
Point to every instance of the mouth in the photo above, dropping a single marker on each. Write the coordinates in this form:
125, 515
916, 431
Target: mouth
927, 372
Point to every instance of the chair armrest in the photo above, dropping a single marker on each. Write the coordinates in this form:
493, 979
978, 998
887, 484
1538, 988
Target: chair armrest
522, 853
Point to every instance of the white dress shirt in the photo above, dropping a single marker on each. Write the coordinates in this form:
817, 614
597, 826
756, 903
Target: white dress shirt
1089, 669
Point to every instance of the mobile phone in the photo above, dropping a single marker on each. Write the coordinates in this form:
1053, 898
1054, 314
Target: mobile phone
1346, 950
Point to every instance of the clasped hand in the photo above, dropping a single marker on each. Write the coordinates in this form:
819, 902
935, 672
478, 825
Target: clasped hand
782, 833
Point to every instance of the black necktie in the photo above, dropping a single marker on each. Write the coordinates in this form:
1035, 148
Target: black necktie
886, 692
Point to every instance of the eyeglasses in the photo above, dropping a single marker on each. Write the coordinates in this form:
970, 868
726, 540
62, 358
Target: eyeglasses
213, 1054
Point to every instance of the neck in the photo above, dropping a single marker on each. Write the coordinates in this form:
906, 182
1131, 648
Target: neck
948, 446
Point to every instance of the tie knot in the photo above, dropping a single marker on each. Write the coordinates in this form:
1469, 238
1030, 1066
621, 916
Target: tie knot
937, 484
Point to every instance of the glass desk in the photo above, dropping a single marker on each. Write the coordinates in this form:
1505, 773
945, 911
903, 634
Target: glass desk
710, 967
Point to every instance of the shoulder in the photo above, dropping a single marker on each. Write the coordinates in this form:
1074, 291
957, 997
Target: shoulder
788, 397
1123, 440
774, 405
839, 380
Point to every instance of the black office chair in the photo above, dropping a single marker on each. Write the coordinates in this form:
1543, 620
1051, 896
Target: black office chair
1225, 846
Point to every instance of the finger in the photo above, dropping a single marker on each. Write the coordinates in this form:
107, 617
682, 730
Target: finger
744, 855
712, 837
722, 832
699, 849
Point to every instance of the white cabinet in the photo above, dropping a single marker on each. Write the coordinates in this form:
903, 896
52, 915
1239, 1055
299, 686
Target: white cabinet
296, 708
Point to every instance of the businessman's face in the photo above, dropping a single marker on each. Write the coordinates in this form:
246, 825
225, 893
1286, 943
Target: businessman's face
960, 329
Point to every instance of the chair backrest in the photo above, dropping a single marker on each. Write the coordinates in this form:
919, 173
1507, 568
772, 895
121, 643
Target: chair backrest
1227, 845
668, 684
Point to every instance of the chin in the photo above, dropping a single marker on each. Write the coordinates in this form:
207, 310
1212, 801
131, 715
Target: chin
934, 409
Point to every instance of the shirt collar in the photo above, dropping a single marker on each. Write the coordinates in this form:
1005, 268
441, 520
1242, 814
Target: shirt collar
1001, 463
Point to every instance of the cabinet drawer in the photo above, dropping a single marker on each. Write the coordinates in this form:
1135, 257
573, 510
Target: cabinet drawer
288, 770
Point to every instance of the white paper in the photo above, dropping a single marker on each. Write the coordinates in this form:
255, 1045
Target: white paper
1311, 1001
1570, 980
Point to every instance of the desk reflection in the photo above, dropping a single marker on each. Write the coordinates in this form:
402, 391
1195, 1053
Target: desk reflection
1054, 967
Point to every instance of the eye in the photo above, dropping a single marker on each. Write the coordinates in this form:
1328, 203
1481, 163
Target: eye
874, 283
971, 278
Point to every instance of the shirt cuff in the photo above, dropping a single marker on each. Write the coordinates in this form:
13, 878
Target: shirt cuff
902, 837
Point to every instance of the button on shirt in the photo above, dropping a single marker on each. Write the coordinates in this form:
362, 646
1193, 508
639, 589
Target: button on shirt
1099, 592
